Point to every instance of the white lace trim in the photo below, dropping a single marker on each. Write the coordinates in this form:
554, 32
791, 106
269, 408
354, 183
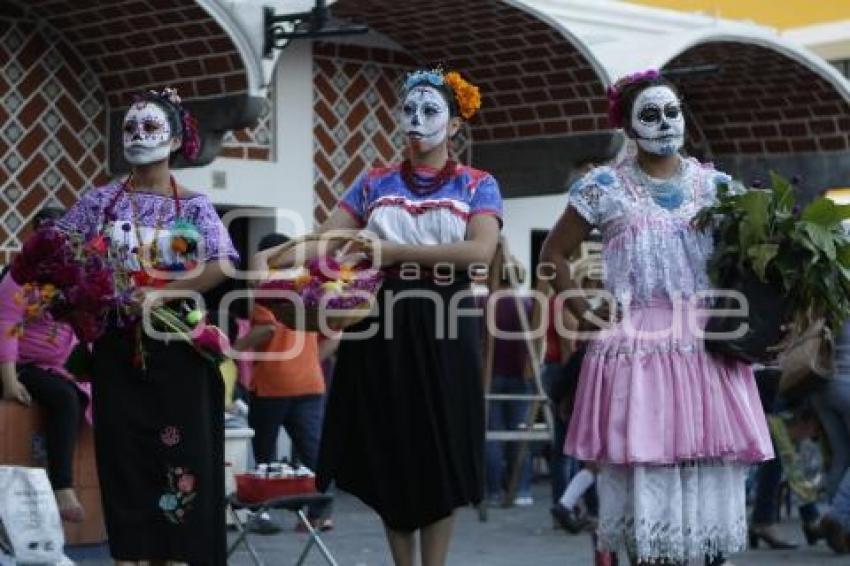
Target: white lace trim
614, 350
673, 513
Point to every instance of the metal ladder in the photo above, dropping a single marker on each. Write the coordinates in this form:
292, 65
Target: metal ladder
538, 400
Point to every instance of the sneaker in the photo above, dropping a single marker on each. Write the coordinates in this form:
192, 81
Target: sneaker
263, 524
568, 519
523, 501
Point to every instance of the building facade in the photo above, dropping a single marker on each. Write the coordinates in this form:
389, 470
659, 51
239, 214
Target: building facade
284, 137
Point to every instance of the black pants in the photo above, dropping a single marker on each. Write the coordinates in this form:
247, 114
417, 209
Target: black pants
301, 417
63, 406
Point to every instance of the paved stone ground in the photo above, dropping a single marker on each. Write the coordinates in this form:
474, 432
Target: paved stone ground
510, 537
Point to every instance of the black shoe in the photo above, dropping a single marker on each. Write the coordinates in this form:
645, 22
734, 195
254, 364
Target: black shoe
812, 532
263, 524
568, 519
766, 534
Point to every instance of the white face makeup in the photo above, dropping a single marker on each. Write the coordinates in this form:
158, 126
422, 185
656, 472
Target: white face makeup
658, 122
147, 134
425, 116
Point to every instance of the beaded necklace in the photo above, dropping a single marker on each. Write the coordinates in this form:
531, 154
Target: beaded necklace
148, 253
420, 186
666, 193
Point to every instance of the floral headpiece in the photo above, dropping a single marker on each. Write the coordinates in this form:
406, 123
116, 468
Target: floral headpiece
615, 103
191, 146
467, 95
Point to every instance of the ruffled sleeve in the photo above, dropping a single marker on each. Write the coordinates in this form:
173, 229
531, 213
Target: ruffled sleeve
487, 199
85, 216
591, 195
355, 200
217, 242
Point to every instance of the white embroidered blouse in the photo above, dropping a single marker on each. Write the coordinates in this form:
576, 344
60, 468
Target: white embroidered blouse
649, 251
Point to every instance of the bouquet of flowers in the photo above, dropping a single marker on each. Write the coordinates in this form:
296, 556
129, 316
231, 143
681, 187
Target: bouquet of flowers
341, 292
65, 277
84, 282
792, 263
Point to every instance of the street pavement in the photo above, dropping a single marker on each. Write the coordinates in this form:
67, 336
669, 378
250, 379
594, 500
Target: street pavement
517, 536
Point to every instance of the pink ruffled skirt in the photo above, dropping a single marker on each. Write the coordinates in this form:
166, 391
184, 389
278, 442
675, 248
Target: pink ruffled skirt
649, 393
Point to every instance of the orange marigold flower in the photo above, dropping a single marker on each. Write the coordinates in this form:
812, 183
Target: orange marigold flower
179, 245
468, 95
302, 280
347, 273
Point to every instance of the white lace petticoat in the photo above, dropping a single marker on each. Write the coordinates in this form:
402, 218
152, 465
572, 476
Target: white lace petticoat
672, 512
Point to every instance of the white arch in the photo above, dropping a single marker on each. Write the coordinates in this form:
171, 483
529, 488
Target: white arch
249, 50
679, 44
556, 24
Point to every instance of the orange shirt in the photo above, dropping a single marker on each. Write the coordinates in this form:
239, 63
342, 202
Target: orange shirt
299, 374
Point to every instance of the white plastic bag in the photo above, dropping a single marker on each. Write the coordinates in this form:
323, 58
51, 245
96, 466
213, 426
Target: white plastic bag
30, 520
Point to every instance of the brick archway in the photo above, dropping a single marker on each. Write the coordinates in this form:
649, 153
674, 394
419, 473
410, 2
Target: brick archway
534, 81
136, 45
761, 102
544, 103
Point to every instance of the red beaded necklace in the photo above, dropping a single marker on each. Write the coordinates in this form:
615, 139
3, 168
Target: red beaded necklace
419, 185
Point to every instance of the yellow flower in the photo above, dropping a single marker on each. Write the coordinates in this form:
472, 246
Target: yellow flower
347, 273
468, 95
334, 286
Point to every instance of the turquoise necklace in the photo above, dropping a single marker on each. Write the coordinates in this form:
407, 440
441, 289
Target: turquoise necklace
669, 194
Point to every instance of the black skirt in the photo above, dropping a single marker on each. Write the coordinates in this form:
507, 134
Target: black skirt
404, 424
159, 437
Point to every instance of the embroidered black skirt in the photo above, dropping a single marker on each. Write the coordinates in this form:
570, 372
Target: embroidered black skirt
159, 437
404, 424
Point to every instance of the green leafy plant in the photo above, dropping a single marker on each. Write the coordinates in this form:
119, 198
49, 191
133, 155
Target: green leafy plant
763, 233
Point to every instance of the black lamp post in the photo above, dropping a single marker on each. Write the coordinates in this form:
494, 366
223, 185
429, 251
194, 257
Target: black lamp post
279, 30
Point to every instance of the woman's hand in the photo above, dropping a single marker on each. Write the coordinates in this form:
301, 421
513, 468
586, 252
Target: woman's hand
14, 390
600, 318
378, 251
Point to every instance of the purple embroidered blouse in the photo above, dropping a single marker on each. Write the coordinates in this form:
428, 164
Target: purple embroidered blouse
89, 215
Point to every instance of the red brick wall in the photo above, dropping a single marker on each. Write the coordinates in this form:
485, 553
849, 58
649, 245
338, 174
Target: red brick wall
255, 143
52, 119
355, 95
762, 102
534, 82
135, 45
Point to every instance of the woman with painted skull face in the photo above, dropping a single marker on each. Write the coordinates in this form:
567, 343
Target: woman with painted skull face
673, 429
158, 405
404, 425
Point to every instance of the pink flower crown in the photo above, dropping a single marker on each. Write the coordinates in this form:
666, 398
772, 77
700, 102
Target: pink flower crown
191, 147
615, 103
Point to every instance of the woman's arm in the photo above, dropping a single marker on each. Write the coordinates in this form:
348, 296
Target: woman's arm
482, 238
259, 334
563, 240
279, 256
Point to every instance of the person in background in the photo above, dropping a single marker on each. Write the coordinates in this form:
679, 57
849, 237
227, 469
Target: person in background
832, 404
509, 378
288, 391
555, 381
32, 360
561, 381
